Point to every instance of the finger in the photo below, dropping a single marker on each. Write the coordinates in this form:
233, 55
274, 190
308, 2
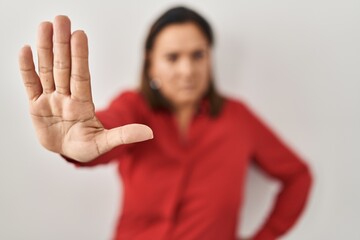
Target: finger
123, 135
45, 56
30, 78
62, 61
80, 76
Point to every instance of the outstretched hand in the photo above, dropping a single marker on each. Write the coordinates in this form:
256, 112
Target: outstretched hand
60, 100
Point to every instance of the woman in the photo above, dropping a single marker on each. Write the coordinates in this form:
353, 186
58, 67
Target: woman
187, 182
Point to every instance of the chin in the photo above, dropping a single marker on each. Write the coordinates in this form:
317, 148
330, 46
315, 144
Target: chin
188, 100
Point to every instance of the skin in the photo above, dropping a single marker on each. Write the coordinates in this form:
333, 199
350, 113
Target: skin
59, 93
180, 64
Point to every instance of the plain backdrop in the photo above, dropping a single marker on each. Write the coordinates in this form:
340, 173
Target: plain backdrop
296, 63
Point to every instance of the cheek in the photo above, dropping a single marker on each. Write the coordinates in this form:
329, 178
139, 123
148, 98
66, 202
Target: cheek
164, 75
162, 71
203, 75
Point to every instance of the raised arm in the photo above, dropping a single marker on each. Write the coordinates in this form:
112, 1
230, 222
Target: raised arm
60, 101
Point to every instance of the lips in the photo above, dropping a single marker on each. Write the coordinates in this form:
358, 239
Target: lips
187, 88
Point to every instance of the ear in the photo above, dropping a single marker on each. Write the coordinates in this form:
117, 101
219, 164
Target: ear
155, 83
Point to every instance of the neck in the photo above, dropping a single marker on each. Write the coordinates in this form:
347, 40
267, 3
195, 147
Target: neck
183, 115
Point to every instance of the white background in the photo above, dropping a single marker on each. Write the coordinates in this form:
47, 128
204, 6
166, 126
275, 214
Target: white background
296, 63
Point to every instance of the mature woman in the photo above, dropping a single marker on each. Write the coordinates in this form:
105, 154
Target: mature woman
187, 182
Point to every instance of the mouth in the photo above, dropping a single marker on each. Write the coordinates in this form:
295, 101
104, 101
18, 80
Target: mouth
187, 88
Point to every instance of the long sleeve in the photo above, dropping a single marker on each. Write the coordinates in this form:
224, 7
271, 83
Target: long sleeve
123, 110
280, 162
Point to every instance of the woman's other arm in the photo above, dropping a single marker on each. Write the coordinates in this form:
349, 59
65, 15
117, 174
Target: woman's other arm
273, 156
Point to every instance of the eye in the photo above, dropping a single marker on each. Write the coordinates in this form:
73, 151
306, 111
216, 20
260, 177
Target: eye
172, 57
197, 55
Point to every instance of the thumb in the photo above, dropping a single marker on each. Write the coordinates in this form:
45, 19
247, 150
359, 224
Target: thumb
123, 135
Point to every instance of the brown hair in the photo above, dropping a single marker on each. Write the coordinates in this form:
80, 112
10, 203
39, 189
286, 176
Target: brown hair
176, 15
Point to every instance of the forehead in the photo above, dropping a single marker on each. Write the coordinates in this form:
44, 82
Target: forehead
180, 37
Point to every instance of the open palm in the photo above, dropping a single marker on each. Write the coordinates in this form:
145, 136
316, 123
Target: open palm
60, 100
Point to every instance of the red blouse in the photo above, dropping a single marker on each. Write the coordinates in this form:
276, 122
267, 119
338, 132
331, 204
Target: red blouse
191, 188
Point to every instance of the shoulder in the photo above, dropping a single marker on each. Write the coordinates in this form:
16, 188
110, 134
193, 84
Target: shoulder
238, 105
127, 107
128, 96
130, 102
241, 109
130, 99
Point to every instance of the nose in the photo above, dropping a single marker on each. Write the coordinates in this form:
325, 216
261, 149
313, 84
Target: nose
186, 67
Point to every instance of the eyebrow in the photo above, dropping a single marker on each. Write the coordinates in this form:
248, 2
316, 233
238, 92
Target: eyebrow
172, 51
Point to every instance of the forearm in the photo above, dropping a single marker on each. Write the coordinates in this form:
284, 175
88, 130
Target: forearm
288, 206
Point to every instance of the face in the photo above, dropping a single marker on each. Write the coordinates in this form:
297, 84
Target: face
180, 64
